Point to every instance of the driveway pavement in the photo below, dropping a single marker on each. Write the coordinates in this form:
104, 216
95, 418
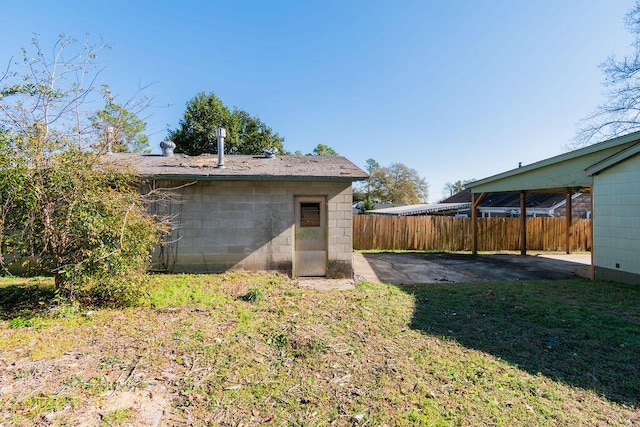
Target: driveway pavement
415, 268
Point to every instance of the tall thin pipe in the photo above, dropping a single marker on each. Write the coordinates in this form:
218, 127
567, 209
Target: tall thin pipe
221, 134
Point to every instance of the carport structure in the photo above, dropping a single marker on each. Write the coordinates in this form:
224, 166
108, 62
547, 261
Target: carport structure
610, 171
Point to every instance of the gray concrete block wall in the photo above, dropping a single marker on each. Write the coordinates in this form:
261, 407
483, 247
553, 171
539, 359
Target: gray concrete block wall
248, 225
340, 234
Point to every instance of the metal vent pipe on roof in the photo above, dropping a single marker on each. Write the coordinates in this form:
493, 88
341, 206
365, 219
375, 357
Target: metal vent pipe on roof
167, 148
221, 133
110, 132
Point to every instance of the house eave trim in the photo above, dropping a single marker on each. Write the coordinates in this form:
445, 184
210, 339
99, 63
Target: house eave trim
185, 177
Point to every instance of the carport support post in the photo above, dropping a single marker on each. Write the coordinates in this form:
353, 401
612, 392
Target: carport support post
569, 216
475, 202
593, 268
523, 222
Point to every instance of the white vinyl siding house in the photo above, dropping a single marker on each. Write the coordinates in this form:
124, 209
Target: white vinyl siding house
616, 225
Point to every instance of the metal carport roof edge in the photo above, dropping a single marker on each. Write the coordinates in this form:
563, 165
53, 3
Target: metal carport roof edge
614, 160
580, 160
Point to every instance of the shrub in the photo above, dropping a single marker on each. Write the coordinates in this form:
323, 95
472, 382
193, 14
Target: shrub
114, 237
61, 212
254, 295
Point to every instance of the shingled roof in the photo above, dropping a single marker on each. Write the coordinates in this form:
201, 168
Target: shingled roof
238, 167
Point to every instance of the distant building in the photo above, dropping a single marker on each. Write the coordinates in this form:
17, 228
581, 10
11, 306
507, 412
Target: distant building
358, 207
495, 205
538, 204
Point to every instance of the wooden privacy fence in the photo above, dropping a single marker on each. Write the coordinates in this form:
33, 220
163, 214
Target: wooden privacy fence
454, 234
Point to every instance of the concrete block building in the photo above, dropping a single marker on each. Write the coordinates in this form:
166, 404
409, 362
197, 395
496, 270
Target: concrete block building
286, 213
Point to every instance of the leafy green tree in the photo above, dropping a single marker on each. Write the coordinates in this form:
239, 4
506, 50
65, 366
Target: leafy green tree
359, 192
13, 178
120, 129
371, 166
324, 150
620, 113
196, 133
363, 192
253, 135
397, 184
60, 214
394, 184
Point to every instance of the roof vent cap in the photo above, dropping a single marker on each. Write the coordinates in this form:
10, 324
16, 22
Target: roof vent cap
167, 148
270, 152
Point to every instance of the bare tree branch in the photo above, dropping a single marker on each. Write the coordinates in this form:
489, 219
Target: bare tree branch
620, 113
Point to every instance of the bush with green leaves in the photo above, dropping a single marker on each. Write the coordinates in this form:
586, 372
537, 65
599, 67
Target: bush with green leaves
113, 236
88, 228
62, 211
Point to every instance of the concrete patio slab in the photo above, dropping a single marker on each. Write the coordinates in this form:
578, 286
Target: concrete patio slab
417, 268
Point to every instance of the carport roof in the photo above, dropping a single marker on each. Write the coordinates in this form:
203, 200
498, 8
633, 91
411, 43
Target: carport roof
569, 170
509, 200
420, 209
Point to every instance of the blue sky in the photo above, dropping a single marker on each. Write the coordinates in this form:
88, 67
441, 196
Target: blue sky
455, 89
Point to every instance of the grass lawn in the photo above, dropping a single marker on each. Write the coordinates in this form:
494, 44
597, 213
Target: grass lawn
243, 349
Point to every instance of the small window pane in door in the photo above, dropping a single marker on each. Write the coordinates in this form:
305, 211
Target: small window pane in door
309, 214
